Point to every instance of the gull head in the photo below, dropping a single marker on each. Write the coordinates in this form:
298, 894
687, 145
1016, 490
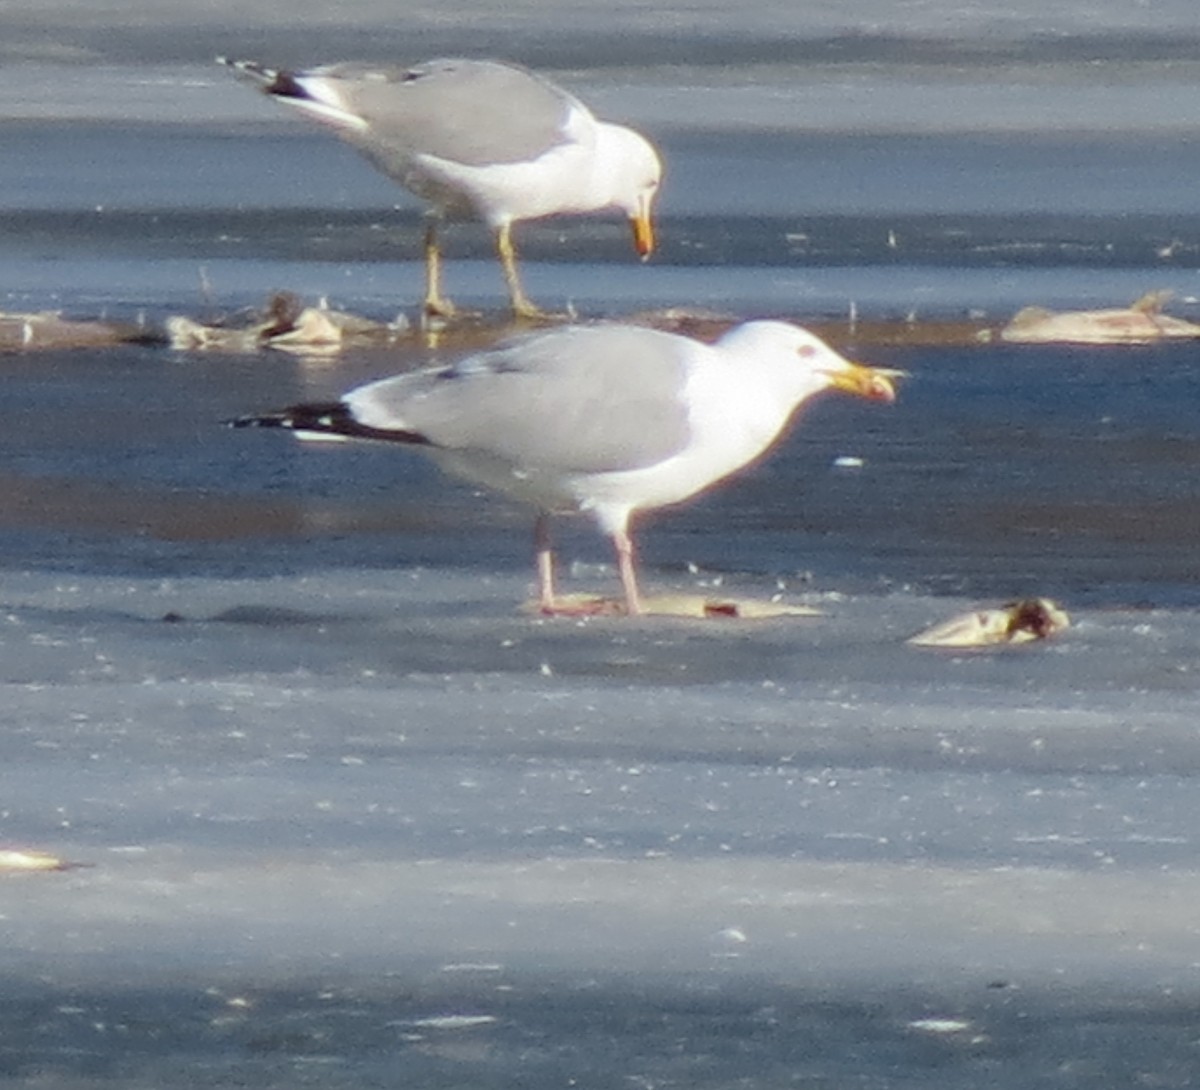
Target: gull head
630, 172
804, 364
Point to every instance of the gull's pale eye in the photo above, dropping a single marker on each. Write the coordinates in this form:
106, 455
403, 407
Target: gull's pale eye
806, 351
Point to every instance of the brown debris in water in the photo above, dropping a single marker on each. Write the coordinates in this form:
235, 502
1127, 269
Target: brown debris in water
23, 861
284, 323
1015, 622
1143, 322
287, 325
47, 329
683, 605
840, 333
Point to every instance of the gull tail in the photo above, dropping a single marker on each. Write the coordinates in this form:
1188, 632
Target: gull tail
328, 419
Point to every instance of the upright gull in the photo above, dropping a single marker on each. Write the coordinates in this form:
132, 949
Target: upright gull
478, 139
607, 419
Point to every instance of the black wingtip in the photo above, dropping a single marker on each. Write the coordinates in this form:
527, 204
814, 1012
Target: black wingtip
324, 418
251, 70
271, 81
332, 417
253, 422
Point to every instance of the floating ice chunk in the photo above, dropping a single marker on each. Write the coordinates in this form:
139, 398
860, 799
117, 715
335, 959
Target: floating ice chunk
940, 1025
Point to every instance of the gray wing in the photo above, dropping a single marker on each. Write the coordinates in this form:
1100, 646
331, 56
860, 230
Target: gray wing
470, 112
586, 400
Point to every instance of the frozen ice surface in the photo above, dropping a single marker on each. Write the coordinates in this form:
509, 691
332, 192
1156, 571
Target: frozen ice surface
383, 818
411, 746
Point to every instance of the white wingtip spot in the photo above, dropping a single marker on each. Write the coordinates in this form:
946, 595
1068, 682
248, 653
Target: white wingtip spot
325, 104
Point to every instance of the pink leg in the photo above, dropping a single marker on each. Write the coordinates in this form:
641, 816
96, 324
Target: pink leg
624, 544
548, 601
545, 563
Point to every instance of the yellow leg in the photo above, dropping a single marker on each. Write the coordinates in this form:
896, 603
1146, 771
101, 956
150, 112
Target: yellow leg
521, 305
436, 305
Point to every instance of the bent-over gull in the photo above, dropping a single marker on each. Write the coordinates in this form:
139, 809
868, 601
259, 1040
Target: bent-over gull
478, 139
607, 419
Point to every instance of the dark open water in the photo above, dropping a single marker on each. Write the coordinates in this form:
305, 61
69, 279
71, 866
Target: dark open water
603, 1032
1005, 468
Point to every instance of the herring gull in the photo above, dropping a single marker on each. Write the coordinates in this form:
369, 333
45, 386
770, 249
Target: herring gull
607, 419
479, 139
